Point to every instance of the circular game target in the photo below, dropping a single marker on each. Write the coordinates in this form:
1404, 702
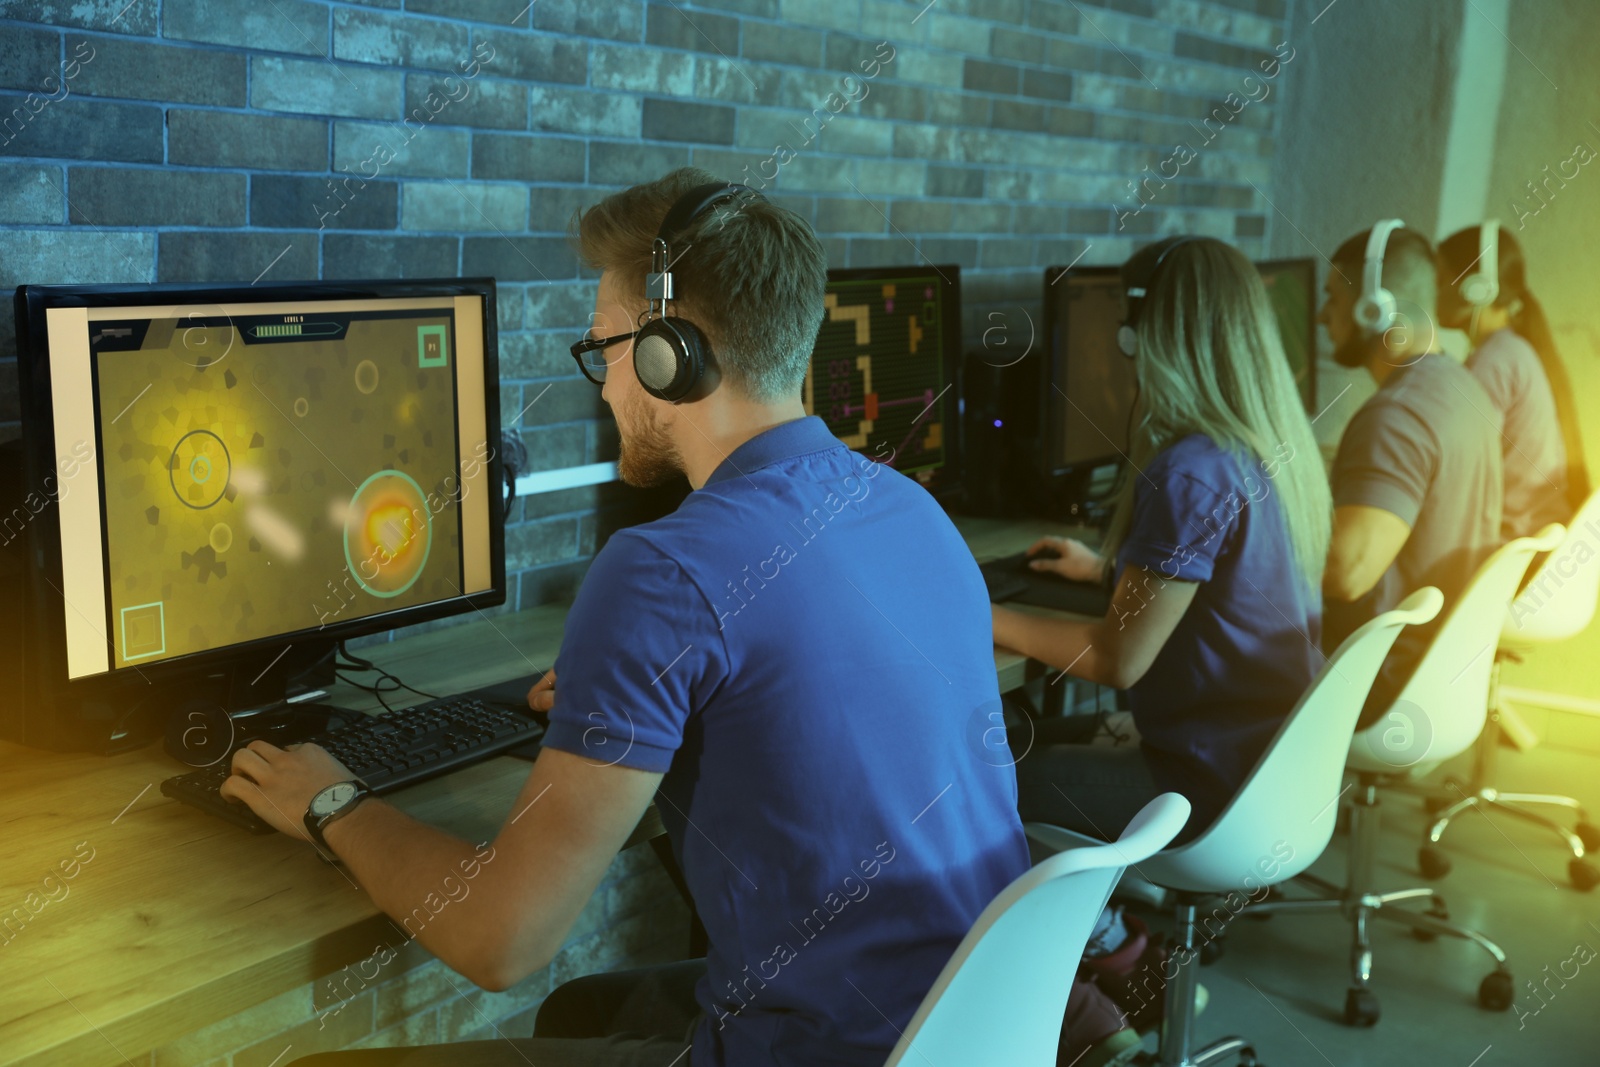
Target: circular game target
199, 469
388, 532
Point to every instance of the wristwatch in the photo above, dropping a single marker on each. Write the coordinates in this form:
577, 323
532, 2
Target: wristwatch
338, 799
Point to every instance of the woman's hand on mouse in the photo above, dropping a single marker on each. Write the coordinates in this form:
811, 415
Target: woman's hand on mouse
1074, 560
542, 697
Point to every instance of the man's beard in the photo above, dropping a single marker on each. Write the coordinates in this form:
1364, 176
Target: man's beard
646, 456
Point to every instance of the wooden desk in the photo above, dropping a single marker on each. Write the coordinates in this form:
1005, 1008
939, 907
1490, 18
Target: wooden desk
179, 919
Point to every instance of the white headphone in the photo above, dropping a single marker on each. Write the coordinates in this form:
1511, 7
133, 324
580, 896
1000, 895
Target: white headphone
1482, 287
1375, 310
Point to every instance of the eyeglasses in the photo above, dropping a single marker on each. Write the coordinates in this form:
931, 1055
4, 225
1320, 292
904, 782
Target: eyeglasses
590, 355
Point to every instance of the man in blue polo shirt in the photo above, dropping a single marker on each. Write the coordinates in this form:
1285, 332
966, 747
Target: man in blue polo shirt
799, 659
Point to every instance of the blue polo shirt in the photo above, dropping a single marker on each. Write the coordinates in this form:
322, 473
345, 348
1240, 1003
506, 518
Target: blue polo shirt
804, 649
1247, 648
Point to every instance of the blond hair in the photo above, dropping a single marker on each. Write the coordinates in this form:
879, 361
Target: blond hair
752, 276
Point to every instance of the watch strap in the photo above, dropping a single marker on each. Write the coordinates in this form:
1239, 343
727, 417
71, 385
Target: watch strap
315, 824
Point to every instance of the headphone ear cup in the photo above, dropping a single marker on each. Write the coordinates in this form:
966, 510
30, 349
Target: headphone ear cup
669, 357
1128, 340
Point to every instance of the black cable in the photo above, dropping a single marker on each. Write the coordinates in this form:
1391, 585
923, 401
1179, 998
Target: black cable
358, 664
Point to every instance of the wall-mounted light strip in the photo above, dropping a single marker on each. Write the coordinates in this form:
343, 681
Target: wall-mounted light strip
566, 478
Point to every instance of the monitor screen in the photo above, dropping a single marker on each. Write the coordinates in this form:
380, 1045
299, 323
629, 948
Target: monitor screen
1292, 287
883, 369
250, 471
1092, 388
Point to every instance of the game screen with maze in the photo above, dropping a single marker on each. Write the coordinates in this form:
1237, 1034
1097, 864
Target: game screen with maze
878, 369
268, 474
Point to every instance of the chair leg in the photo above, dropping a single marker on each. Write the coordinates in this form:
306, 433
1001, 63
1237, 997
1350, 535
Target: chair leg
1435, 925
1177, 1023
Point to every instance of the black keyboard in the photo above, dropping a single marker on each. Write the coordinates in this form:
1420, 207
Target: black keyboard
387, 752
1009, 578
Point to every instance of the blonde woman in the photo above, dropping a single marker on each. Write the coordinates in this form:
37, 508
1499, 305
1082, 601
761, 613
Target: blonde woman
1216, 546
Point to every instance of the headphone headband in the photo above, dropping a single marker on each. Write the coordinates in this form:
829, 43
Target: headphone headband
1482, 287
1127, 333
1375, 309
683, 213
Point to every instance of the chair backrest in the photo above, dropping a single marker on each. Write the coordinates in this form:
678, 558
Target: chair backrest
1559, 600
1441, 710
1001, 997
1283, 817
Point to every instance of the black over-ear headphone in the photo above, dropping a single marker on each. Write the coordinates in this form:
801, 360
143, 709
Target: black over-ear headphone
670, 354
1128, 332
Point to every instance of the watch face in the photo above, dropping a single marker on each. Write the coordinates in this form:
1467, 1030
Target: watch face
333, 798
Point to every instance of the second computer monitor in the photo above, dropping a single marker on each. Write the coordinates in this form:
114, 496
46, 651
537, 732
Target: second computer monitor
1090, 395
883, 367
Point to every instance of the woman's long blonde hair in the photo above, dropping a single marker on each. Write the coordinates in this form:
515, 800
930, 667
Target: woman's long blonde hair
1211, 361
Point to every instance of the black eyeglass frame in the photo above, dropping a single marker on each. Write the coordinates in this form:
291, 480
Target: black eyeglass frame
596, 344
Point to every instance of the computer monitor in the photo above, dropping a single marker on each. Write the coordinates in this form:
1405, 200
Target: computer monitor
1292, 286
238, 472
1089, 397
883, 370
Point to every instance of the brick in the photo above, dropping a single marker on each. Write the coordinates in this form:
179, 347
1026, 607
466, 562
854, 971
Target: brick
999, 253
620, 20
527, 157
1079, 56
342, 202
932, 68
551, 585
641, 70
848, 215
1047, 85
534, 544
767, 9
127, 196
983, 77
1089, 220
318, 88
768, 43
464, 207
48, 257
525, 259
1016, 115
723, 80
955, 181
1250, 226
582, 111
1189, 46
399, 150
508, 307
525, 355
236, 257
542, 58
618, 163
550, 209
31, 194
980, 218
171, 74
109, 16
572, 399
1021, 46
499, 12
677, 120
671, 26
562, 306
920, 216
494, 104
361, 255
79, 129
395, 40
27, 57
995, 10
1069, 121
958, 109
961, 250
892, 177
281, 26
259, 142
833, 14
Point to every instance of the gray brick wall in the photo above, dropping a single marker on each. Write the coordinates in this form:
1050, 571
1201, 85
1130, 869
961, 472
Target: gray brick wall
199, 140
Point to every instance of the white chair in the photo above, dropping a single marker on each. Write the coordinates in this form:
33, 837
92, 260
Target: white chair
1437, 716
1272, 830
1001, 998
1556, 603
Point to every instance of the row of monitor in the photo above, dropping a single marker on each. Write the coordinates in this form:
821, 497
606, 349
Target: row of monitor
237, 472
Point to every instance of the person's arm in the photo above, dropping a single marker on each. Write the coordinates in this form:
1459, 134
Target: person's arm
1116, 650
509, 916
1365, 542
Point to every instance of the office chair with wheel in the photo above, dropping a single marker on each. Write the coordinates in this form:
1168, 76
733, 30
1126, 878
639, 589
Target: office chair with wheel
1276, 827
1556, 603
1001, 997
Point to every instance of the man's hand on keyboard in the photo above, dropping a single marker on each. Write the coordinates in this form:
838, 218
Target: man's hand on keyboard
278, 783
542, 697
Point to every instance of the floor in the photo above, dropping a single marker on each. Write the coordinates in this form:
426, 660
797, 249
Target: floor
1281, 981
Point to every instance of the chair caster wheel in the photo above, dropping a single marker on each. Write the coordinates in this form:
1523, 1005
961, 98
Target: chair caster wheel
1589, 834
1438, 909
1433, 862
1495, 992
1247, 1058
1212, 950
1583, 874
1361, 1006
